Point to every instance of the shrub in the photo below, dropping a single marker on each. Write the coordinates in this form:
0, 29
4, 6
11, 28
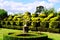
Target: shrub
36, 24
54, 19
34, 15
41, 19
58, 25
39, 29
44, 24
42, 15
32, 36
28, 23
49, 17
14, 23
8, 23
14, 18
0, 24
35, 19
5, 19
53, 24
20, 23
53, 30
3, 23
9, 18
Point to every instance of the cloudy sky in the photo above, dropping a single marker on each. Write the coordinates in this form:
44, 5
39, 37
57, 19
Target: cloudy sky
14, 6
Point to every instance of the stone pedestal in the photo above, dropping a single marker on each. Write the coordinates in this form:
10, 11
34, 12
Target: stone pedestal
25, 29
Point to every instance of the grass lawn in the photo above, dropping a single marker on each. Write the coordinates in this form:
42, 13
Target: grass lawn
52, 36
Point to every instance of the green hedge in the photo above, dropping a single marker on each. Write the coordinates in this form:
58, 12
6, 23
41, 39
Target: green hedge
11, 24
53, 30
21, 36
44, 24
53, 24
39, 29
35, 24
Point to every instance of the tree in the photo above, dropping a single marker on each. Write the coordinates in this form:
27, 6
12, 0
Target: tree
3, 14
39, 9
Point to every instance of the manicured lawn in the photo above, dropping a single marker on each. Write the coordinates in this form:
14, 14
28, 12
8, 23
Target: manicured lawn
53, 36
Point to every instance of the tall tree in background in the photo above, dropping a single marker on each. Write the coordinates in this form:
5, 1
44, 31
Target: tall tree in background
3, 14
39, 9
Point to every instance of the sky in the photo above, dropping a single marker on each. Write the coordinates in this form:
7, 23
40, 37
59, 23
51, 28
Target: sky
20, 6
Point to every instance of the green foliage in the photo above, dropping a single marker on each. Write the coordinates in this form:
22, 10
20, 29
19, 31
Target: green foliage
8, 23
58, 14
49, 17
51, 10
2, 23
29, 36
39, 9
3, 13
35, 19
44, 24
20, 23
39, 29
15, 18
35, 24
54, 19
42, 15
41, 19
53, 24
53, 30
5, 19
27, 16
34, 15
48, 11
9, 18
28, 13
46, 19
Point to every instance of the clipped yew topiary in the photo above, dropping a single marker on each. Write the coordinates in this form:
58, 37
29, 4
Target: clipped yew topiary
53, 24
44, 24
23, 36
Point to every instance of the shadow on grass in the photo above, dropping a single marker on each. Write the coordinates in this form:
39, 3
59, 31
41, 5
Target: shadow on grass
50, 39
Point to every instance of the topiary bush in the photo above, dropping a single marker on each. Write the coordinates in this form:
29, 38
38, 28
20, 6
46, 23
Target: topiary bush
14, 23
42, 15
58, 25
36, 24
3, 23
28, 36
8, 23
20, 23
53, 30
53, 24
39, 29
44, 24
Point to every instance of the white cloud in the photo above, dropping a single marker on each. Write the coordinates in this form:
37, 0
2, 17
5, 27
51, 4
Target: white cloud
55, 1
58, 9
12, 6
